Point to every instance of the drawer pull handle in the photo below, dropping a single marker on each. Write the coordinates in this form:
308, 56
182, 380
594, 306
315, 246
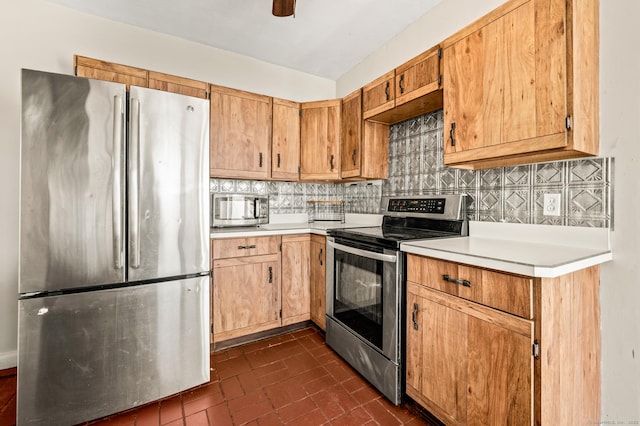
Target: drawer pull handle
414, 315
260, 160
320, 257
270, 274
386, 91
252, 246
331, 161
278, 166
401, 84
465, 283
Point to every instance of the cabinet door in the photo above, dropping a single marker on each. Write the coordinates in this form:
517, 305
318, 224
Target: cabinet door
320, 140
379, 95
437, 356
418, 76
246, 296
351, 135
240, 134
318, 281
109, 71
466, 363
285, 142
181, 85
295, 278
500, 374
506, 85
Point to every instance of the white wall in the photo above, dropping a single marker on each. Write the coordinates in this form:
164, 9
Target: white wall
39, 35
620, 138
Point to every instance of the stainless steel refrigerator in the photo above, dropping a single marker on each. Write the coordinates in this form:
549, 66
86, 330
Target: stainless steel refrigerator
114, 247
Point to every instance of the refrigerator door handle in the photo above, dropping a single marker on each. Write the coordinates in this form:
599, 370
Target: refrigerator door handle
134, 182
118, 212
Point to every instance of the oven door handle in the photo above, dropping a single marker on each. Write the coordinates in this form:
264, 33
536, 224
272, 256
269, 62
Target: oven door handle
363, 253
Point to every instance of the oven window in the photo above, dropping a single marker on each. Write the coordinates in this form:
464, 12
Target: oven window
358, 295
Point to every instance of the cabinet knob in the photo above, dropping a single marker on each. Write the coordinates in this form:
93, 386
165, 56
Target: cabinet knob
320, 257
260, 160
270, 274
386, 91
353, 157
401, 84
278, 156
331, 160
414, 315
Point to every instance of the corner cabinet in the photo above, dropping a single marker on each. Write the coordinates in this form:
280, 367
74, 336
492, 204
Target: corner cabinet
487, 347
320, 140
521, 85
364, 145
240, 134
318, 280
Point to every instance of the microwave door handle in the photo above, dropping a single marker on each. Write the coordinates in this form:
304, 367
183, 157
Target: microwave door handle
363, 253
256, 208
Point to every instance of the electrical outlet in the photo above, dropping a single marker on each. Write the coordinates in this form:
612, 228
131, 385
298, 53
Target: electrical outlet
551, 205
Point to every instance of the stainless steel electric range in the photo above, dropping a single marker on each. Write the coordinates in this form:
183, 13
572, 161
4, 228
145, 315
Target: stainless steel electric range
366, 284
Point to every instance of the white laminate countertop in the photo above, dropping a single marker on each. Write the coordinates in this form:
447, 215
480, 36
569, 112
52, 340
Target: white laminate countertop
292, 224
532, 250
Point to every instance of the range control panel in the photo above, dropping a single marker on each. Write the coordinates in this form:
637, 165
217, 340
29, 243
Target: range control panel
417, 205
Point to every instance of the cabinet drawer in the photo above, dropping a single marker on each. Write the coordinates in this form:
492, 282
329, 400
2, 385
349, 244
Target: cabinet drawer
240, 247
506, 292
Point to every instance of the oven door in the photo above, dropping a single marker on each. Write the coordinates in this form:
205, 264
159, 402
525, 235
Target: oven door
363, 293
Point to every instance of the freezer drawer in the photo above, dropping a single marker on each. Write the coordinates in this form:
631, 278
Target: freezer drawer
87, 355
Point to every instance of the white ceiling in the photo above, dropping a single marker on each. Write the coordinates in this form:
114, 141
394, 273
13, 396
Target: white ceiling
326, 38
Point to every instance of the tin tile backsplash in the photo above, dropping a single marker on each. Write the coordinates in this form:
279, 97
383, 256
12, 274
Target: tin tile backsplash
506, 194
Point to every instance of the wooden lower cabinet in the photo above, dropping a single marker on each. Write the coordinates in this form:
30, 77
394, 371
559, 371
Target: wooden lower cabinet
474, 358
295, 278
318, 280
468, 366
246, 288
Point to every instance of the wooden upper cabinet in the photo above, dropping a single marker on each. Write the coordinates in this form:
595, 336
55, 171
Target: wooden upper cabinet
320, 140
364, 145
418, 77
240, 134
412, 89
132, 76
181, 85
521, 85
379, 95
109, 71
285, 141
351, 135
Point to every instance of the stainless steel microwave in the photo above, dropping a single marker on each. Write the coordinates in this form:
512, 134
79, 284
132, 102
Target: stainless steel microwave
239, 210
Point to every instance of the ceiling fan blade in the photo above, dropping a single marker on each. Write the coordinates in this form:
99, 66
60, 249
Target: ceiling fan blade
284, 7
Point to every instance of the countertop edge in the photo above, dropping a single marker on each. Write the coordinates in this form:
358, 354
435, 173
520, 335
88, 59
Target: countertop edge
532, 270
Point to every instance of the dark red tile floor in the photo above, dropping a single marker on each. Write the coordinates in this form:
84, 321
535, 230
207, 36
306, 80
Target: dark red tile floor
292, 379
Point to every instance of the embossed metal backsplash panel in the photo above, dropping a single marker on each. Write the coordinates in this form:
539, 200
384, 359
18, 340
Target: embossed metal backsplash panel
416, 166
505, 194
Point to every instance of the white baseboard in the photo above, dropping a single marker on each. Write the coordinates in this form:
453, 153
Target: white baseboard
8, 360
